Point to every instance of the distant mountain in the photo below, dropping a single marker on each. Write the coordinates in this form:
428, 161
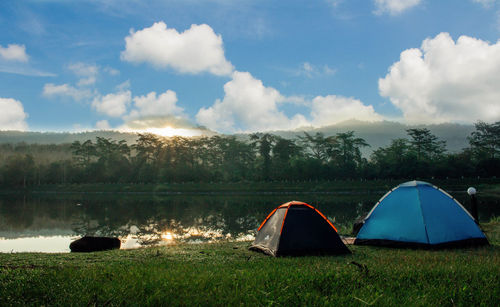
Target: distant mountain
380, 134
63, 137
377, 134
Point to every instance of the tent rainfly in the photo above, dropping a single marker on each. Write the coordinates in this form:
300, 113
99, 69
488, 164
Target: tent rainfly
419, 214
297, 228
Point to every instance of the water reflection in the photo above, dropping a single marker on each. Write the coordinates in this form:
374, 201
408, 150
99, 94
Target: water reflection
44, 244
48, 223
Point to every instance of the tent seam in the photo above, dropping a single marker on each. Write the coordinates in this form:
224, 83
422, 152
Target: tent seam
422, 213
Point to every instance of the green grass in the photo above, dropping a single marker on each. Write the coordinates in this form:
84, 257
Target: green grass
228, 274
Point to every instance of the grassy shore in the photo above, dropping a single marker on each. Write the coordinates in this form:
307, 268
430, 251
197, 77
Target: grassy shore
228, 274
489, 185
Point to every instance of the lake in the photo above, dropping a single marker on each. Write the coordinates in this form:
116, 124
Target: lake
48, 222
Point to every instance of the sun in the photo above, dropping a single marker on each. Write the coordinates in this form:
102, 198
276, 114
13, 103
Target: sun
170, 131
167, 236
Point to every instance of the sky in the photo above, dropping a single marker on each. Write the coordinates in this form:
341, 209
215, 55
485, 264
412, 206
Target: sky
230, 66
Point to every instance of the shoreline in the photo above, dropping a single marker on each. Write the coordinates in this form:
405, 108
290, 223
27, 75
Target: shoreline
490, 185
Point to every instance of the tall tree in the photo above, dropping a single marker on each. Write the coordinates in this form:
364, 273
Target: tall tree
237, 158
485, 141
148, 148
113, 159
19, 170
83, 153
394, 160
264, 142
317, 146
146, 162
348, 147
425, 144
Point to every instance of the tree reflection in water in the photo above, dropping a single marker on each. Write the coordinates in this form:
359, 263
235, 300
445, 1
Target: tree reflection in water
148, 219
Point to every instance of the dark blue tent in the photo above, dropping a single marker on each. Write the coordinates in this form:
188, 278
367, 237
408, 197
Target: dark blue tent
417, 214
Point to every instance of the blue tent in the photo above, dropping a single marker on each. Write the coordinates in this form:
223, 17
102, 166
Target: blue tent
416, 214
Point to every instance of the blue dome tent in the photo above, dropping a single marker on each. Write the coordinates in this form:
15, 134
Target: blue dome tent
419, 214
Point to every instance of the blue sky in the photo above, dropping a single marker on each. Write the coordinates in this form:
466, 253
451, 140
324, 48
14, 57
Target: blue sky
243, 65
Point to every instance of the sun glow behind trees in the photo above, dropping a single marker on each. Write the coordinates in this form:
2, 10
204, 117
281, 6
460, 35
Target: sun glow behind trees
170, 131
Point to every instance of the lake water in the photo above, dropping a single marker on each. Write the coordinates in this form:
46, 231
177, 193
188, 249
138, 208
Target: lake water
49, 222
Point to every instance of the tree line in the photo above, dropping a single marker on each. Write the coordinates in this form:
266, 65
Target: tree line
261, 157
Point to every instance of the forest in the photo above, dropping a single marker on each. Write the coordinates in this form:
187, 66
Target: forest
261, 157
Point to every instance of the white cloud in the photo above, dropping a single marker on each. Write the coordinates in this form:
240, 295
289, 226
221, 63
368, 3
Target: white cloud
310, 71
247, 106
331, 109
51, 89
79, 128
82, 69
14, 52
158, 114
194, 51
307, 67
123, 86
111, 71
485, 3
103, 125
394, 7
334, 3
153, 105
328, 71
446, 81
12, 116
25, 71
87, 73
14, 60
86, 81
114, 105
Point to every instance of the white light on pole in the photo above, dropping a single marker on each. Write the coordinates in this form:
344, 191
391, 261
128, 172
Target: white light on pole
471, 191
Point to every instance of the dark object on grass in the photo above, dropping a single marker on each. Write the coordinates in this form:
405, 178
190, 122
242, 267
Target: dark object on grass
417, 214
94, 244
296, 228
363, 268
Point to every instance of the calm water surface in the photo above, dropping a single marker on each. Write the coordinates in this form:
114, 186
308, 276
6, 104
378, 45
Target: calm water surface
49, 222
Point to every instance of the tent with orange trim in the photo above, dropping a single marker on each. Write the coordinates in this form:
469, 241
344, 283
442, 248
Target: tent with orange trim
297, 228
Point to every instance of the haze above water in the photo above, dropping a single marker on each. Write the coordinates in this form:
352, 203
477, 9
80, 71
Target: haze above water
49, 222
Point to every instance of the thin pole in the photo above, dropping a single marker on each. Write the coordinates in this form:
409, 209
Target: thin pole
474, 208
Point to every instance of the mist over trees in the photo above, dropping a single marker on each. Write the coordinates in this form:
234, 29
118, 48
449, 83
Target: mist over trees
263, 157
